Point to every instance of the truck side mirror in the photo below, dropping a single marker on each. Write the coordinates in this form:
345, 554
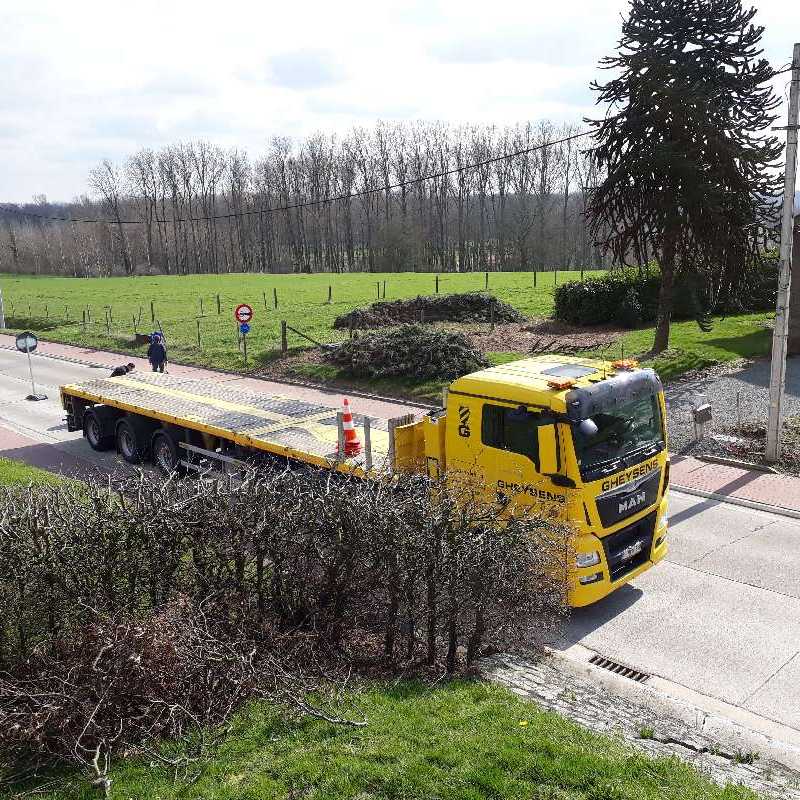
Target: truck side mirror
548, 449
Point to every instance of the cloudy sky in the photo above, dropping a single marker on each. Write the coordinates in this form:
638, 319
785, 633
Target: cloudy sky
91, 80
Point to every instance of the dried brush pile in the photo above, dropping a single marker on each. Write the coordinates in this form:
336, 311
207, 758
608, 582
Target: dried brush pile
466, 307
410, 351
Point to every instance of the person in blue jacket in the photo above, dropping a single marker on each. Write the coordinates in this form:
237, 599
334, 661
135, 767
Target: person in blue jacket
157, 353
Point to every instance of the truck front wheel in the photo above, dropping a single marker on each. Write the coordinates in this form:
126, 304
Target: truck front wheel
165, 452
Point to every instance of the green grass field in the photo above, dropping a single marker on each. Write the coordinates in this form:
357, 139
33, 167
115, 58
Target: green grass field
459, 741
15, 473
53, 308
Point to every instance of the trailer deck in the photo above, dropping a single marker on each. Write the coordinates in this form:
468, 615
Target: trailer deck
270, 423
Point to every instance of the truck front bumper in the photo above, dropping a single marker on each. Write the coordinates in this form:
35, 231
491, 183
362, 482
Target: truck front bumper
624, 555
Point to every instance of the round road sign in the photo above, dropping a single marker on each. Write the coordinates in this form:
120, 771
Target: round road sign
243, 313
244, 328
27, 342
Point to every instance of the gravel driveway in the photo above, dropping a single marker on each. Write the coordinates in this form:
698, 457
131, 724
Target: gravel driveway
722, 386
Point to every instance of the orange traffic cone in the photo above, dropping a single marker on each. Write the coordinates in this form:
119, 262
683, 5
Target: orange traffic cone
352, 447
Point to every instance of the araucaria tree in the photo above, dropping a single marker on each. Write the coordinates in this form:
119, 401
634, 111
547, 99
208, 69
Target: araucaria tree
688, 165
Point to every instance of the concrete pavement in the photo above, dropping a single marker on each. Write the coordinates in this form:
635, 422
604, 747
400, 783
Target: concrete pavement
721, 616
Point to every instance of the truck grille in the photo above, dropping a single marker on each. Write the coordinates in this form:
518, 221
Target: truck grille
629, 548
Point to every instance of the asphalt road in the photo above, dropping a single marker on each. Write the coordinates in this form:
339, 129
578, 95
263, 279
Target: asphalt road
720, 616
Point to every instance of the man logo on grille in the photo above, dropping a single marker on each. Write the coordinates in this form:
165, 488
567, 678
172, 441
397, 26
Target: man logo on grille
463, 428
632, 502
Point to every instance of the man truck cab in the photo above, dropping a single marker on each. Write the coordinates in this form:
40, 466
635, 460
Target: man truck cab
584, 439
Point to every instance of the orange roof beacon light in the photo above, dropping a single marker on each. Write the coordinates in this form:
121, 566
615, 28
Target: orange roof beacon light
561, 383
625, 364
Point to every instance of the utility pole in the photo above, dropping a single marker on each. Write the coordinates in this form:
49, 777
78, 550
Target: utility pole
780, 336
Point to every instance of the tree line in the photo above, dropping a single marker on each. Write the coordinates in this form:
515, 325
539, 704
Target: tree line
200, 209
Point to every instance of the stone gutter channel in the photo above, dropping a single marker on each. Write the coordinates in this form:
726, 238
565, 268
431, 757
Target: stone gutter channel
719, 745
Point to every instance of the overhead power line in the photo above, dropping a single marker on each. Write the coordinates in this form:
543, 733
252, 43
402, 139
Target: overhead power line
308, 203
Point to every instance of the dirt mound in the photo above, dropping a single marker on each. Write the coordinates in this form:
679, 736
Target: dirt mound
411, 351
467, 307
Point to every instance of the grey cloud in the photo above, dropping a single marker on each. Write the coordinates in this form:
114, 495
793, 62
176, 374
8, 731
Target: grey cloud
570, 93
305, 69
371, 107
129, 126
552, 47
176, 85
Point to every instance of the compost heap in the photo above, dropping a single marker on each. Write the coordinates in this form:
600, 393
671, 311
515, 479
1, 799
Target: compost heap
467, 307
410, 351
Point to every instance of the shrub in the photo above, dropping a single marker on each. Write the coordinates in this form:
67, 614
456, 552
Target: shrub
465, 307
628, 299
410, 351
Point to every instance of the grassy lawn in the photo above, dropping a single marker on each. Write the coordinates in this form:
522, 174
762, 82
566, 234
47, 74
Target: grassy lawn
742, 336
52, 307
302, 302
15, 473
463, 740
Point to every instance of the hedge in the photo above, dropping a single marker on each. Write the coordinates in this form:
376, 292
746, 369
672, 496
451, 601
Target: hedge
629, 299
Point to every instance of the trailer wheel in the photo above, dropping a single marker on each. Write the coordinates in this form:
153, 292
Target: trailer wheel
129, 442
164, 452
94, 430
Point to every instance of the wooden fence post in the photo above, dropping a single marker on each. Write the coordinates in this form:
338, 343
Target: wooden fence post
275, 295
487, 281
264, 295
199, 346
219, 307
284, 340
437, 283
152, 311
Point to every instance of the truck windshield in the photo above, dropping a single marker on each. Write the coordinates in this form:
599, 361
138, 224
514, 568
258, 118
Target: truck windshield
627, 431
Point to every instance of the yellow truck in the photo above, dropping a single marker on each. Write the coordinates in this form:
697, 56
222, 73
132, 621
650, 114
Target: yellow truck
581, 438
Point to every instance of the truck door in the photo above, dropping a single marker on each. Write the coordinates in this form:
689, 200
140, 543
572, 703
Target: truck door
502, 445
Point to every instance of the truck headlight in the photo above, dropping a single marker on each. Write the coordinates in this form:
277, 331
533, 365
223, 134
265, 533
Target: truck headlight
587, 559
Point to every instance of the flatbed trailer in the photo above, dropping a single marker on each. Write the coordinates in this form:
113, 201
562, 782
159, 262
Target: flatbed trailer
175, 418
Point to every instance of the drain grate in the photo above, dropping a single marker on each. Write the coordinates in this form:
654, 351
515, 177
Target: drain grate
619, 669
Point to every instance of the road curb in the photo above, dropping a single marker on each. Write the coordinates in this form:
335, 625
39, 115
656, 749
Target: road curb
738, 501
737, 728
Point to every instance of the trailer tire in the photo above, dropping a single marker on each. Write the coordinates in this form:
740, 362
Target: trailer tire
132, 440
95, 431
164, 452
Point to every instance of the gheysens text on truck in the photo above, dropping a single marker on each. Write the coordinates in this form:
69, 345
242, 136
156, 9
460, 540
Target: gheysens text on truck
583, 439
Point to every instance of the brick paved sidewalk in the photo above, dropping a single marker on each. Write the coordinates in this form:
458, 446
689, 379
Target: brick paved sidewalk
735, 483
781, 491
